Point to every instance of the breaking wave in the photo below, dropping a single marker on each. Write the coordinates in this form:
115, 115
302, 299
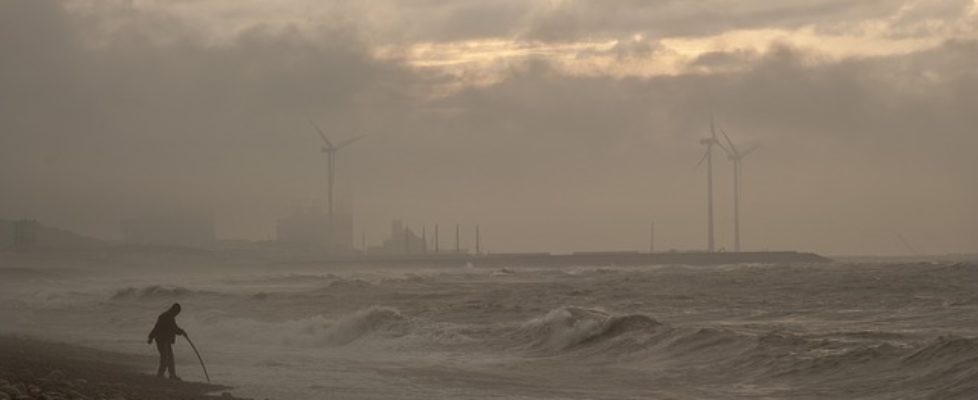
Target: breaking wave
577, 328
354, 326
157, 292
315, 331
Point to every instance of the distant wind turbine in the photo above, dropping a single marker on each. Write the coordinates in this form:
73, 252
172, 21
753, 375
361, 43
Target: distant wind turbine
330, 151
708, 157
737, 157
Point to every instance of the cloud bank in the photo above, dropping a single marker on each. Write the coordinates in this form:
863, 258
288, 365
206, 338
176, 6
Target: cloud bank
109, 111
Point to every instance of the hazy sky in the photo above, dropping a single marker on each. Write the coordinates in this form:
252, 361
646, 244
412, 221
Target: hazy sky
557, 125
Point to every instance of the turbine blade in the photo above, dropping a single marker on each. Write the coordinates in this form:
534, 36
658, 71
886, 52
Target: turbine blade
749, 150
349, 142
705, 154
321, 134
733, 148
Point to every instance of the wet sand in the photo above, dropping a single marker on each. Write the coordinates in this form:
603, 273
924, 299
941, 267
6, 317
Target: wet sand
35, 369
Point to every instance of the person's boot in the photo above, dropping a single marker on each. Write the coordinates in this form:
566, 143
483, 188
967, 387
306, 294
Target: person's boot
175, 378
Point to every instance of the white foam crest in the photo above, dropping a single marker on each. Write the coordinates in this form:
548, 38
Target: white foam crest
315, 331
566, 326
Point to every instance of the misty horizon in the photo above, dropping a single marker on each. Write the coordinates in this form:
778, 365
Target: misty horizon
488, 199
561, 127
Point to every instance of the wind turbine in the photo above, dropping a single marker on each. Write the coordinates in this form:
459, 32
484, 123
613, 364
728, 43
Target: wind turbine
330, 151
708, 157
737, 157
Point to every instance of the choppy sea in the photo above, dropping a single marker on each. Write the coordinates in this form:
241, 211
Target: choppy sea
845, 330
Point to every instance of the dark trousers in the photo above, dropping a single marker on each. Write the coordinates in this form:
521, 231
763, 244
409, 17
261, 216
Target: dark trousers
166, 358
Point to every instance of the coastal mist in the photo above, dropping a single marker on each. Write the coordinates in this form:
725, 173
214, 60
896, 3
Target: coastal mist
488, 199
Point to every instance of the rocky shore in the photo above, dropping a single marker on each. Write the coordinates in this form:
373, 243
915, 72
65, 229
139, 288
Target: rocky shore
38, 370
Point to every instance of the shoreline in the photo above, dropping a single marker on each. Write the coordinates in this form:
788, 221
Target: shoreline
37, 369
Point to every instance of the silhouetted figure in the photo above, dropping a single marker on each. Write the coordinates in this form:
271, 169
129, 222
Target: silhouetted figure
165, 332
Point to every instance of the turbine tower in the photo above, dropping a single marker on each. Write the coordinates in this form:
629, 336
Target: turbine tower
330, 151
737, 157
708, 157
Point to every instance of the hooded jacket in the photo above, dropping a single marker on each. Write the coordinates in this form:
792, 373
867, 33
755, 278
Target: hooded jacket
166, 329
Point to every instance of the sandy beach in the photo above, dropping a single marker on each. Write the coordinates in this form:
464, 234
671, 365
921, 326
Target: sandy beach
35, 369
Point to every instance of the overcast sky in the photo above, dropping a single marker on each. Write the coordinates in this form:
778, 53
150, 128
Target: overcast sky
557, 125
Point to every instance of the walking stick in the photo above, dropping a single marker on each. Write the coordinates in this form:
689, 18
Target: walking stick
202, 366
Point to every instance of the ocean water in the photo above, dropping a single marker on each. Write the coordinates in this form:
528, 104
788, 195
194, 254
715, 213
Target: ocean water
846, 330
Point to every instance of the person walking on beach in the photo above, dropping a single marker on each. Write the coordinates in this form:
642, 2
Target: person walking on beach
165, 333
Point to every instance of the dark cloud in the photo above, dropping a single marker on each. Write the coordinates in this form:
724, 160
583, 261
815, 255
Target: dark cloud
404, 22
131, 123
854, 150
849, 147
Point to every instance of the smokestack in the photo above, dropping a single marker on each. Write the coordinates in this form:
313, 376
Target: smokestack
478, 249
424, 239
436, 239
458, 247
407, 240
652, 237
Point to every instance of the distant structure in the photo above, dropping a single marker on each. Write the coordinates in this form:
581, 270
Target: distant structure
652, 237
437, 242
708, 157
309, 228
737, 157
402, 241
305, 226
24, 234
330, 149
478, 247
180, 229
